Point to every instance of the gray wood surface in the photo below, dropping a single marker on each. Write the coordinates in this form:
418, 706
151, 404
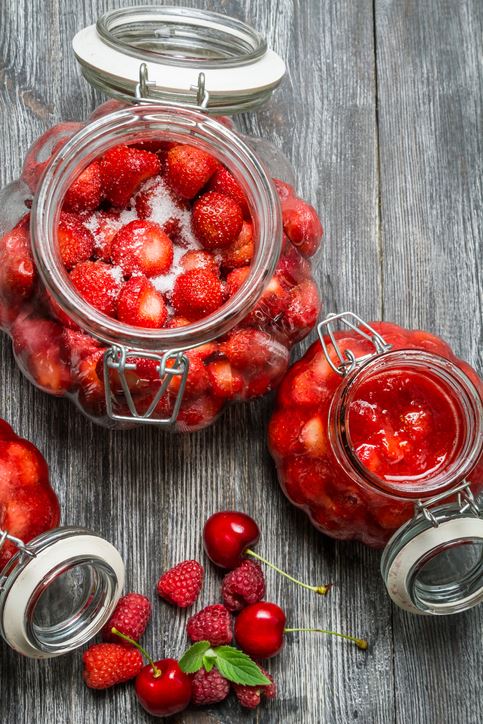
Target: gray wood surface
381, 116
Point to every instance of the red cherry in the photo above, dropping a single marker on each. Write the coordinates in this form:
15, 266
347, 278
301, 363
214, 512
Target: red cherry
227, 535
164, 689
259, 629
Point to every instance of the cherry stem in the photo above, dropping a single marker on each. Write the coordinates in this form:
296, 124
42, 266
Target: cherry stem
321, 590
156, 672
360, 643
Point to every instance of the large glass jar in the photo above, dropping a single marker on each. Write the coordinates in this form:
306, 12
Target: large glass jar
378, 436
179, 377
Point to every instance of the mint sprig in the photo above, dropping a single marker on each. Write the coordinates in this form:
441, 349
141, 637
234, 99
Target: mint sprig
232, 663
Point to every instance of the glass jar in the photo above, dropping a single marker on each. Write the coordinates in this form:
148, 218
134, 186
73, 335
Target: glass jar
378, 436
180, 378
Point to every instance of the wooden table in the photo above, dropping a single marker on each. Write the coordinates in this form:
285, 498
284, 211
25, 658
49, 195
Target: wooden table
380, 115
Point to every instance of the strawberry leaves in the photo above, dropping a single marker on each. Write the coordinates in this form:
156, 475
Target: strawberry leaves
233, 664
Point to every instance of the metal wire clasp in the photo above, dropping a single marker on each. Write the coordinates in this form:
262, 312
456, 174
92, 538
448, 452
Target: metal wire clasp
17, 542
141, 91
170, 365
466, 502
348, 360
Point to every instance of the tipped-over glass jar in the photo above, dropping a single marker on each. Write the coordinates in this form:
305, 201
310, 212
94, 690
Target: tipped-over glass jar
108, 333
378, 436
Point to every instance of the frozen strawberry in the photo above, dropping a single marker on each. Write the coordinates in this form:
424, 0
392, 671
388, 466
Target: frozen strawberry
293, 268
197, 381
217, 220
38, 345
197, 293
247, 348
284, 190
104, 226
85, 193
44, 148
142, 246
302, 225
99, 283
76, 243
123, 169
240, 253
188, 169
270, 306
78, 345
17, 270
225, 183
141, 305
226, 382
199, 412
195, 259
236, 278
302, 310
59, 314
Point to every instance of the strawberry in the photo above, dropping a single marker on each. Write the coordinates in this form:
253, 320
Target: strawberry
199, 412
78, 345
85, 193
197, 381
17, 269
195, 259
181, 585
217, 220
104, 226
284, 190
246, 348
250, 696
236, 278
59, 313
188, 169
123, 169
284, 431
197, 293
226, 382
209, 687
142, 246
270, 306
213, 624
76, 243
243, 585
176, 322
225, 183
240, 252
38, 345
99, 283
292, 267
302, 225
106, 665
141, 305
302, 310
130, 617
44, 148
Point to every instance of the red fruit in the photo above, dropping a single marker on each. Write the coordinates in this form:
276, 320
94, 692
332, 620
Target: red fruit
130, 617
59, 313
188, 169
248, 348
38, 345
17, 270
76, 243
302, 225
91, 383
100, 285
197, 381
259, 630
235, 279
195, 259
198, 413
123, 169
243, 586
85, 193
302, 309
28, 505
164, 694
270, 307
217, 220
240, 252
142, 246
108, 664
284, 190
225, 382
181, 585
209, 687
44, 148
227, 535
225, 183
293, 268
104, 226
250, 696
212, 624
197, 293
141, 305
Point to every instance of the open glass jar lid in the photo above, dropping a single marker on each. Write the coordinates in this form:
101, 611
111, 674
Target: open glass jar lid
176, 45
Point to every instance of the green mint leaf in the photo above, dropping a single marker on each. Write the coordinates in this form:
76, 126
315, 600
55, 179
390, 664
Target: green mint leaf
208, 663
192, 660
236, 666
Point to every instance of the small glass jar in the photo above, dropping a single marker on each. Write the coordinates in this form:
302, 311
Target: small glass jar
152, 58
378, 436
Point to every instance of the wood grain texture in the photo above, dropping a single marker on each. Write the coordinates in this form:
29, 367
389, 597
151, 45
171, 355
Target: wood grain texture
389, 156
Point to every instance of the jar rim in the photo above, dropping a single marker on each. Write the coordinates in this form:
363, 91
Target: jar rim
471, 405
186, 126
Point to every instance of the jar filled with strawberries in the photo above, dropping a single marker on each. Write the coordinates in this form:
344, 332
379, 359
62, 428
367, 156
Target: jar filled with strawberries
155, 264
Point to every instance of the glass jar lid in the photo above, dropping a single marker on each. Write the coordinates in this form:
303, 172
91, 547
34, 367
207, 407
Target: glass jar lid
58, 591
176, 45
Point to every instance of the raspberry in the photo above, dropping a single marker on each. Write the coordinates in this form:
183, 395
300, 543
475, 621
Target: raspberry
212, 624
181, 585
123, 169
250, 696
76, 243
243, 585
217, 220
188, 169
130, 617
209, 687
85, 193
108, 664
197, 293
99, 284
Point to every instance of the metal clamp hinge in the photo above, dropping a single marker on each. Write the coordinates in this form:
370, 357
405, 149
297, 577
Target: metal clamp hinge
347, 359
24, 549
172, 364
465, 497
144, 84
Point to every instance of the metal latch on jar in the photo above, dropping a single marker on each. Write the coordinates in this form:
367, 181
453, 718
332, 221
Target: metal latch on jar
466, 503
118, 359
142, 91
348, 360
24, 549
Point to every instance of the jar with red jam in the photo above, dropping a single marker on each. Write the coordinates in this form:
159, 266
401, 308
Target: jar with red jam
156, 265
377, 435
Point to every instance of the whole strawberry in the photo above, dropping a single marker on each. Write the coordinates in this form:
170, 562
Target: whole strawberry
108, 664
250, 696
243, 586
181, 585
197, 293
212, 624
209, 687
217, 220
130, 617
188, 169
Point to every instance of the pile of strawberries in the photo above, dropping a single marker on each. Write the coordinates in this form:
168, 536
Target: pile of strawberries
158, 235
